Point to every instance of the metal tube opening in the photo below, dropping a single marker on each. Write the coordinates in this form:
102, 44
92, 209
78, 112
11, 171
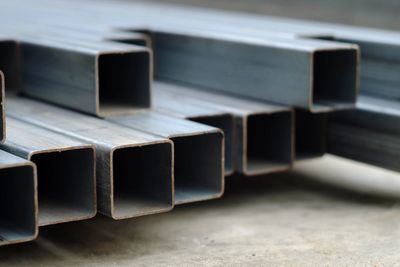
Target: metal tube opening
9, 64
334, 78
124, 82
17, 204
198, 167
311, 134
65, 185
269, 143
226, 124
142, 180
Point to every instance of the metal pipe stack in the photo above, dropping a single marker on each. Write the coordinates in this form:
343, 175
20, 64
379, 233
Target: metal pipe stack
128, 109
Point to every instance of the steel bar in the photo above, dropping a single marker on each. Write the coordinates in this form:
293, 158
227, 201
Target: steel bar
368, 134
18, 200
198, 152
311, 134
178, 106
65, 169
100, 78
134, 169
263, 133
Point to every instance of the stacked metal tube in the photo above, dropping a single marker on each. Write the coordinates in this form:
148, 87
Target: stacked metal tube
143, 112
18, 200
65, 169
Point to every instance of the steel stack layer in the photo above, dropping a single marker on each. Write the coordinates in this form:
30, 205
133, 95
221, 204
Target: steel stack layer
134, 169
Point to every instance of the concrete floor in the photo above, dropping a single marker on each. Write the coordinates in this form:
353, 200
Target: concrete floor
277, 220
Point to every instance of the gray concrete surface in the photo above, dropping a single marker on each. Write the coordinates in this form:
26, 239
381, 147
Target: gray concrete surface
277, 220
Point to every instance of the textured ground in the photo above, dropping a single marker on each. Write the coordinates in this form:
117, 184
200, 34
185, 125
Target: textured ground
280, 220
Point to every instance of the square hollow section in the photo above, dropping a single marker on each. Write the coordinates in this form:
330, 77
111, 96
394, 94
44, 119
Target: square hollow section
269, 143
198, 167
124, 82
65, 185
226, 124
142, 178
334, 78
311, 134
17, 204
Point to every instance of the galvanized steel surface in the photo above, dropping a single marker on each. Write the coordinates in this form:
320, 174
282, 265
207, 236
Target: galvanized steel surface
65, 167
198, 153
128, 184
177, 105
263, 132
77, 55
86, 78
369, 134
285, 70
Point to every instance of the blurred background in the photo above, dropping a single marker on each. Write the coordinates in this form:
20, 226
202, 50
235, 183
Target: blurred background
372, 13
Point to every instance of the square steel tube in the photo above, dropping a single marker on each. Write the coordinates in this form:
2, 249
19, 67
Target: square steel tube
380, 48
134, 169
316, 75
18, 200
380, 66
264, 135
369, 134
101, 79
198, 153
178, 106
65, 169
